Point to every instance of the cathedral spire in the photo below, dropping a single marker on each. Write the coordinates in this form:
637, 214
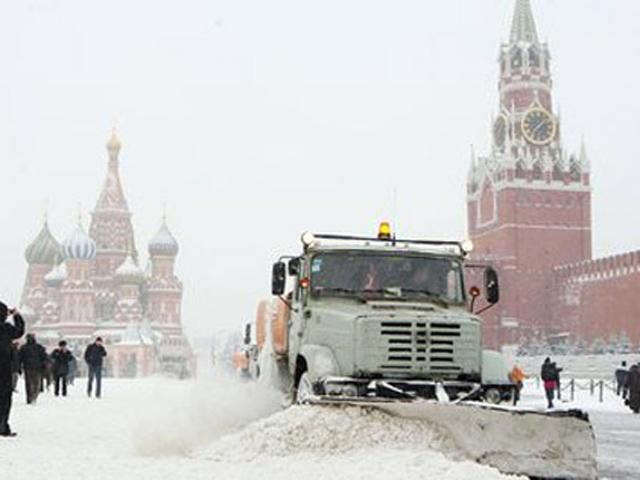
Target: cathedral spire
112, 195
523, 26
584, 158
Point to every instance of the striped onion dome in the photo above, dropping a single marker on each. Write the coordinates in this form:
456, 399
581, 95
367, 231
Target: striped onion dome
163, 242
45, 249
56, 276
129, 272
79, 246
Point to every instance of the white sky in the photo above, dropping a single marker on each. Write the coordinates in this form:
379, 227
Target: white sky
258, 120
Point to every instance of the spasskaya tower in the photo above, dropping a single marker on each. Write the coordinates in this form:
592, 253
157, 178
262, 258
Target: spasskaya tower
528, 200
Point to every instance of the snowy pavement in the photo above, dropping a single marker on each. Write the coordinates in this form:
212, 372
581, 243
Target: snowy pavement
617, 430
166, 429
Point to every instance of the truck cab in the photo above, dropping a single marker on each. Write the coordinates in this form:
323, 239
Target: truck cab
380, 317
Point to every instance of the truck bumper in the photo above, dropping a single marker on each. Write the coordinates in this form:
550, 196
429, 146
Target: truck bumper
392, 388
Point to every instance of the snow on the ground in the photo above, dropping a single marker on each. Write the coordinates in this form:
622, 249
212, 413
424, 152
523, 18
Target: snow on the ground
617, 430
167, 429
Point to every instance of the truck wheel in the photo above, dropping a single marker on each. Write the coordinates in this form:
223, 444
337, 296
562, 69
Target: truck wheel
493, 395
305, 391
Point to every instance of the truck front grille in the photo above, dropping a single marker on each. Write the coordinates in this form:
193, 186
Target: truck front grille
419, 346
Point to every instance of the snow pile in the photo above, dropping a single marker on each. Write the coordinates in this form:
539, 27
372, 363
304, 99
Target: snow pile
333, 443
326, 431
174, 422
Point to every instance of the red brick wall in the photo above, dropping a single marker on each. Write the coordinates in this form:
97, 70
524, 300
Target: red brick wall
599, 298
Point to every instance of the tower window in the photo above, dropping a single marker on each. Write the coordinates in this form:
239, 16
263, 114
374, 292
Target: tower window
557, 173
516, 58
534, 58
520, 170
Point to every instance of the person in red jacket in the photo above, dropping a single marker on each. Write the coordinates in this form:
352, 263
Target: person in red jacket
548, 374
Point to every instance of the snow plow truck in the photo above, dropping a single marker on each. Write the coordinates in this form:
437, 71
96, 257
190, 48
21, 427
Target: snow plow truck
388, 323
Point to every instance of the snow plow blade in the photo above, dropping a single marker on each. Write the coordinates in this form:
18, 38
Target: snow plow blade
538, 444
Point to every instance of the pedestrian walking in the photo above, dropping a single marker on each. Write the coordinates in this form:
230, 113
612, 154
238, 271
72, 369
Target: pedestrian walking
61, 357
33, 359
633, 381
8, 333
622, 375
548, 374
517, 377
94, 356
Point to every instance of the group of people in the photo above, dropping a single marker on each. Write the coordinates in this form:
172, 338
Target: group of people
628, 385
550, 375
39, 368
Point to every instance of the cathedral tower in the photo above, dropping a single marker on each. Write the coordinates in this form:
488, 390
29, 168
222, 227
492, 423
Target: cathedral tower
529, 202
42, 255
164, 289
77, 293
112, 231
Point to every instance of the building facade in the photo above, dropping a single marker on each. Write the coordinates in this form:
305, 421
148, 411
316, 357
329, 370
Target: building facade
92, 285
529, 210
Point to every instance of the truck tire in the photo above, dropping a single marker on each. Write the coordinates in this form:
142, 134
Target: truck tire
305, 389
493, 396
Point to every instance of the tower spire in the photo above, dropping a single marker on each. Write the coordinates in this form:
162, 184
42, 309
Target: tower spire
112, 195
523, 26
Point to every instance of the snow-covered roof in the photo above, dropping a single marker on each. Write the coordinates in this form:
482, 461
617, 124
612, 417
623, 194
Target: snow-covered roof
129, 272
163, 242
57, 275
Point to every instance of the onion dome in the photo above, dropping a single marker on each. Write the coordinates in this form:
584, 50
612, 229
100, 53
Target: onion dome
129, 272
56, 276
163, 242
45, 249
79, 246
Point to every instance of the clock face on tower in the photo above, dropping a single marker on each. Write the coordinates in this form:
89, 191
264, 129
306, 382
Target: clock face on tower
538, 126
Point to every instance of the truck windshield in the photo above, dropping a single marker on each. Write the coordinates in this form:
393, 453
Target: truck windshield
415, 277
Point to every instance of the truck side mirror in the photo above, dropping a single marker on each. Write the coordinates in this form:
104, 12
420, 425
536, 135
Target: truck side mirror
294, 267
278, 278
247, 334
492, 286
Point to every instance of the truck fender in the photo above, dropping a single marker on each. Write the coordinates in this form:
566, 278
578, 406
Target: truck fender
321, 362
494, 368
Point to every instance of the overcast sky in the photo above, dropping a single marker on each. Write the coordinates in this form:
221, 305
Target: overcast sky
256, 120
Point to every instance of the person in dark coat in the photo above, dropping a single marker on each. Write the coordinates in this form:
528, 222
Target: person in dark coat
621, 374
94, 355
633, 381
8, 333
33, 358
548, 374
61, 358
